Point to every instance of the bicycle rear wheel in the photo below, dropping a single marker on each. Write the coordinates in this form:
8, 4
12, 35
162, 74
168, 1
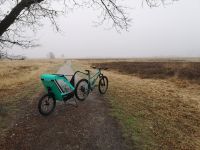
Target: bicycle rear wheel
82, 89
103, 85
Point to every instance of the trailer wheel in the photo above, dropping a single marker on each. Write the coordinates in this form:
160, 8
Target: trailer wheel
46, 104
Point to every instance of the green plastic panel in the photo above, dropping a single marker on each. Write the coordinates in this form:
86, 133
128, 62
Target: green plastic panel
51, 81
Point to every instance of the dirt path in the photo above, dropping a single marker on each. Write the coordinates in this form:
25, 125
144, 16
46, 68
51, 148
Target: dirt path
87, 127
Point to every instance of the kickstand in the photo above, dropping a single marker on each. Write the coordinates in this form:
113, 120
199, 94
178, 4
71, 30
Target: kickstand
76, 102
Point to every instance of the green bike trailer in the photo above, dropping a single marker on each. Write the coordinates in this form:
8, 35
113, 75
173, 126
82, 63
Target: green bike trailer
58, 85
59, 88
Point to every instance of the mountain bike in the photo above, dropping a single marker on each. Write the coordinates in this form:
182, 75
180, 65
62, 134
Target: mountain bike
91, 82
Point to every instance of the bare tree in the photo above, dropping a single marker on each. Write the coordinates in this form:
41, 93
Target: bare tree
18, 15
51, 55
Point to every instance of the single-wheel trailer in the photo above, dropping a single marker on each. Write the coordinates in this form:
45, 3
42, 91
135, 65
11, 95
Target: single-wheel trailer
59, 88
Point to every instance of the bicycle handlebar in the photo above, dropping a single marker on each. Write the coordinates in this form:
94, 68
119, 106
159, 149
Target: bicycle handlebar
100, 68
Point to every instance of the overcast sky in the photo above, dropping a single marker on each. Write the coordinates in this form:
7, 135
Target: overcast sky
170, 31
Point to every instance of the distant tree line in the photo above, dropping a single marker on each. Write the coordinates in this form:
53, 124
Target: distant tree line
51, 55
5, 55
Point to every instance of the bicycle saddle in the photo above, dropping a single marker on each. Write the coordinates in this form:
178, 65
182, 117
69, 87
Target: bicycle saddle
100, 68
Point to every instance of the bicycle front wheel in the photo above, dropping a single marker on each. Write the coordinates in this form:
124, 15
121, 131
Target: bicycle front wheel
46, 104
103, 85
82, 89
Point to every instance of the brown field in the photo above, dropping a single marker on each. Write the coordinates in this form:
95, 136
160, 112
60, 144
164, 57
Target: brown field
151, 103
19, 82
157, 70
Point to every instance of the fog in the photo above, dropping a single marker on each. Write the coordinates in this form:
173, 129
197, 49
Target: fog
170, 31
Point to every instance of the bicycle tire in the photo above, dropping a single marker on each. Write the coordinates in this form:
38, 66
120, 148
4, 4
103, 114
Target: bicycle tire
103, 82
86, 93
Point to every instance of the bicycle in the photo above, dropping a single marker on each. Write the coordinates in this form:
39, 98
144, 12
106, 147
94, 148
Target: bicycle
91, 81
58, 88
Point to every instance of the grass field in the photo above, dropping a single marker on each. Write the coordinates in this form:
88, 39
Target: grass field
148, 99
19, 83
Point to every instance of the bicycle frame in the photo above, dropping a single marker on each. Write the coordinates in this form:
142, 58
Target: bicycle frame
92, 79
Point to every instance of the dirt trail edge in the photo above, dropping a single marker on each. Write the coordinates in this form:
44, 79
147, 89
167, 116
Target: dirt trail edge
87, 127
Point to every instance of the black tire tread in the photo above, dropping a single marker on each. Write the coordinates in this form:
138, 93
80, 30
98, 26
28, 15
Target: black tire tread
82, 80
103, 77
40, 102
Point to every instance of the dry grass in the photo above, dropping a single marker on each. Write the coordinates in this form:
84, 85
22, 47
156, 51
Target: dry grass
19, 82
14, 73
157, 114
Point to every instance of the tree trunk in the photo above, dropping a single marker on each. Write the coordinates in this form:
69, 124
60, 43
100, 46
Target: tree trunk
12, 16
